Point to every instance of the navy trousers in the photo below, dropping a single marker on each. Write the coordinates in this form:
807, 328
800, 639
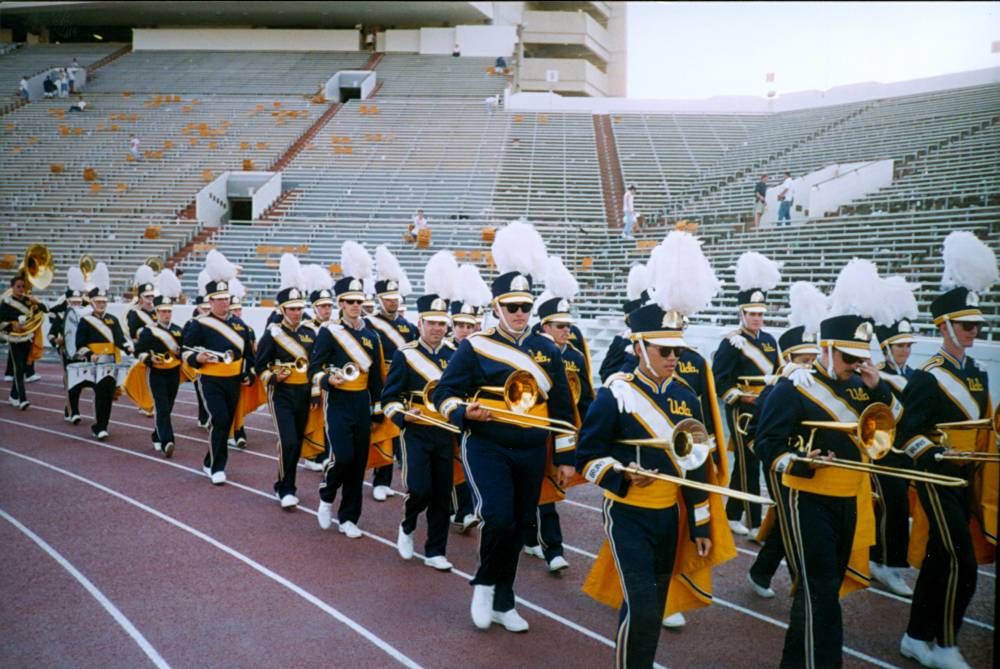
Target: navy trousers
348, 429
163, 384
506, 483
427, 472
545, 531
644, 542
220, 395
892, 517
17, 362
289, 405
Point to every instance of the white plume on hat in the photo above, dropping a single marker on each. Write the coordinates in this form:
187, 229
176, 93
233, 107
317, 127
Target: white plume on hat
203, 279
755, 270
680, 276
898, 301
168, 285
101, 277
355, 260
405, 287
858, 290
143, 274
471, 288
74, 279
368, 285
237, 289
218, 267
968, 262
559, 281
315, 277
638, 281
387, 267
441, 275
808, 306
289, 271
518, 247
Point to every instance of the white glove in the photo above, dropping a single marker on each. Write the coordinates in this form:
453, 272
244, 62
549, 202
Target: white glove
624, 394
738, 341
802, 377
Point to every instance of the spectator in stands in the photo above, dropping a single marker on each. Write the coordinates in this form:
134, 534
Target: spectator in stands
370, 40
75, 63
23, 88
79, 106
133, 146
63, 84
492, 103
456, 52
49, 86
759, 199
628, 209
787, 198
419, 223
72, 79
501, 65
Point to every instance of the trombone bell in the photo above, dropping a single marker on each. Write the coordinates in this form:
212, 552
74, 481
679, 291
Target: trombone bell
874, 432
689, 445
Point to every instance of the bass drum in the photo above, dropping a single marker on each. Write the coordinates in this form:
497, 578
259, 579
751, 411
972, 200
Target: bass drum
78, 373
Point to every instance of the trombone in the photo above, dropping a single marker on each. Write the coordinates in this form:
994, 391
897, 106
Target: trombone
689, 445
698, 485
991, 424
226, 357
425, 395
300, 365
520, 393
873, 433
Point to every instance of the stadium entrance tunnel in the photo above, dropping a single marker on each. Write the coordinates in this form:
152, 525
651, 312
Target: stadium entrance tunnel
237, 196
350, 85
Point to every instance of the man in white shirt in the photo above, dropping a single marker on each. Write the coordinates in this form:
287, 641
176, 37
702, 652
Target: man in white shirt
629, 212
786, 197
133, 146
24, 88
419, 223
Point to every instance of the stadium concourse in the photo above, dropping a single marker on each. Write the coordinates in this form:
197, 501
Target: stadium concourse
115, 557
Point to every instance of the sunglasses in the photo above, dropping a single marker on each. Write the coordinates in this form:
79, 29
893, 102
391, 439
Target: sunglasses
851, 359
523, 307
667, 351
968, 327
352, 302
560, 326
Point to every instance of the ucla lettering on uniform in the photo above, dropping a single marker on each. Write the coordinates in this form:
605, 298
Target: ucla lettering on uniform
858, 394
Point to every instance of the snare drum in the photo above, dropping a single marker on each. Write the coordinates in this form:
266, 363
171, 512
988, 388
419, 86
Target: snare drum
80, 372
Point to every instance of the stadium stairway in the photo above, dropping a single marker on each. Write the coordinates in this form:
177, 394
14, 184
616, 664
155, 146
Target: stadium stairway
612, 183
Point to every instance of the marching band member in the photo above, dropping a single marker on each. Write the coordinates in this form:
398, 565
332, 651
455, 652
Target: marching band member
393, 331
353, 398
892, 505
317, 281
799, 346
829, 522
544, 538
505, 462
15, 308
141, 314
99, 338
62, 335
427, 448
951, 526
201, 308
746, 351
159, 349
237, 292
651, 525
473, 294
217, 346
288, 266
619, 349
282, 365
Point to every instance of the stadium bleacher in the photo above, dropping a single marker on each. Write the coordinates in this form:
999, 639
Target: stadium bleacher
429, 141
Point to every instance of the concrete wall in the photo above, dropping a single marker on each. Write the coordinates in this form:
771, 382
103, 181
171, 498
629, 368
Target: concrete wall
575, 75
243, 39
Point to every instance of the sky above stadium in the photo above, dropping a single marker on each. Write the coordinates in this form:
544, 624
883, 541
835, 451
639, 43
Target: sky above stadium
698, 50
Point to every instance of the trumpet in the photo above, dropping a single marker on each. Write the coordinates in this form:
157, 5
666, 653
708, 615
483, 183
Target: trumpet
226, 357
348, 372
689, 445
162, 359
520, 393
980, 424
698, 485
299, 365
873, 433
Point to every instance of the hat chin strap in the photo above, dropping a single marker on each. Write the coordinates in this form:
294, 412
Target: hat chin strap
829, 358
506, 325
645, 357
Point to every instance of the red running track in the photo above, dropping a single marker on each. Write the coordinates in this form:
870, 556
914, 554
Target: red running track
221, 577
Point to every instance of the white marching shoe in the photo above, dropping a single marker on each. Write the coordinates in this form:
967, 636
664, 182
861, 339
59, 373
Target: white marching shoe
534, 551
381, 493
738, 528
33, 378
312, 465
557, 564
14, 402
766, 593
511, 620
324, 515
891, 578
915, 649
948, 657
218, 478
289, 502
675, 621
350, 530
404, 544
482, 606
168, 449
439, 562
470, 521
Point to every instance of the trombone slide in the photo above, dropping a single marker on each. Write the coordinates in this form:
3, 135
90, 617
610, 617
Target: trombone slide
428, 420
967, 456
882, 470
526, 420
707, 487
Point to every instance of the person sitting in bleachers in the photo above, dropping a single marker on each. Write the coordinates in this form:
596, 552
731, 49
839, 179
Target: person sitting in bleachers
49, 87
23, 88
79, 106
501, 65
419, 223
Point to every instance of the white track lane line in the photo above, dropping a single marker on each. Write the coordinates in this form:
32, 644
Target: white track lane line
388, 649
270, 496
108, 605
